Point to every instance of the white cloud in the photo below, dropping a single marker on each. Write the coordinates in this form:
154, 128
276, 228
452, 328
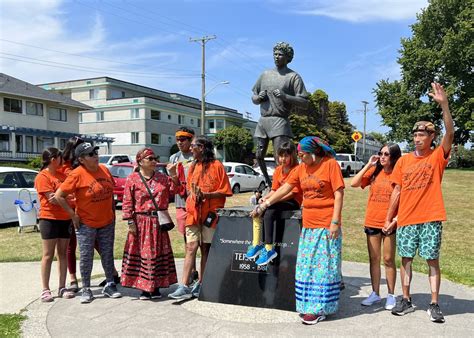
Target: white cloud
49, 27
360, 10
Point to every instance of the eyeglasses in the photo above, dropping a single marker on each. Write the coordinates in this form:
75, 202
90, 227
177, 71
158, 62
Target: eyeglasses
93, 153
182, 139
194, 145
151, 158
386, 154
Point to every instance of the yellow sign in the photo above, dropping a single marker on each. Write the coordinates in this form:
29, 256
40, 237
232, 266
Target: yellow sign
356, 136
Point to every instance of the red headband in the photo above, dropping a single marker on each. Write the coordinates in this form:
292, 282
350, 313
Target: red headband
144, 153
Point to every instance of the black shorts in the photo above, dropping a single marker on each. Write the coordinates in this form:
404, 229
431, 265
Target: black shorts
375, 231
53, 229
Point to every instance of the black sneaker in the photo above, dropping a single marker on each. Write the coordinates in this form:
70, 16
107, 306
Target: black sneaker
403, 307
156, 294
116, 281
145, 295
111, 291
436, 316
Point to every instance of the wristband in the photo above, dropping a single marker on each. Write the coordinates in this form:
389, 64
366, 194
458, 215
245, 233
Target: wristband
335, 221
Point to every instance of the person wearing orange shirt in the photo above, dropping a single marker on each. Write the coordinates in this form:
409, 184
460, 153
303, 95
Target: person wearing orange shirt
376, 174
417, 196
318, 265
208, 186
288, 161
54, 223
94, 216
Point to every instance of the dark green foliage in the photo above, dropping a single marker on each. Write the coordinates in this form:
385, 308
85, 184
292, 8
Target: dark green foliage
238, 143
441, 49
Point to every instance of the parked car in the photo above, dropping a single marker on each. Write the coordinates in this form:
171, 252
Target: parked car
271, 165
349, 164
12, 180
243, 178
111, 159
120, 172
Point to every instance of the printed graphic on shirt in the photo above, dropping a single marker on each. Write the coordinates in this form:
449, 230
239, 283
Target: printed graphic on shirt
417, 176
312, 187
100, 189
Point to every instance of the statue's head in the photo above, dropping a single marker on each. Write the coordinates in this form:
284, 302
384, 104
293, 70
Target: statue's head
286, 49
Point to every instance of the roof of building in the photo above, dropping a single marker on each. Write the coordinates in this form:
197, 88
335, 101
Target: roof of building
14, 86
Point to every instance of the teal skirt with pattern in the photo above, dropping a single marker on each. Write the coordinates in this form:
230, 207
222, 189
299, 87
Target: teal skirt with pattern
318, 272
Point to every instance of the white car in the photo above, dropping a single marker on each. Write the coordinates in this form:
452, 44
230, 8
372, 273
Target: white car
243, 178
12, 180
271, 165
111, 159
349, 164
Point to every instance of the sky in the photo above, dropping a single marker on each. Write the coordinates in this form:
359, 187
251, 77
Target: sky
343, 47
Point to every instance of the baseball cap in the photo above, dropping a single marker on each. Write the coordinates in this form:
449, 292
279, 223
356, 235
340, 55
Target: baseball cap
424, 126
84, 148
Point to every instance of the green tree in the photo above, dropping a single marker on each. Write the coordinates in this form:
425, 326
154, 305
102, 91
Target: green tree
379, 137
236, 141
441, 48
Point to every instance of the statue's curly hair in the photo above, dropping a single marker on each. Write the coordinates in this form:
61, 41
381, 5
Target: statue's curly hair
286, 49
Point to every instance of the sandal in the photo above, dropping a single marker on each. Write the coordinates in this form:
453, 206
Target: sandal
46, 296
74, 286
65, 293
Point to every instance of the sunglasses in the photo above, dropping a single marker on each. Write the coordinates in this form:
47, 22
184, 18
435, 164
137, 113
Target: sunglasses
182, 139
193, 145
151, 158
386, 154
93, 153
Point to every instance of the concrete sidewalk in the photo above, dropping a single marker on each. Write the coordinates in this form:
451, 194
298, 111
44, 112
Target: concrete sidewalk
128, 316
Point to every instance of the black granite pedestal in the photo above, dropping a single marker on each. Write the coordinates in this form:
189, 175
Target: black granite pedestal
231, 278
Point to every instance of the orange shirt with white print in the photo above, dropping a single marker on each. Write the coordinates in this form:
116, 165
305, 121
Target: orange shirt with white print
94, 195
279, 178
211, 177
421, 198
46, 182
379, 197
318, 184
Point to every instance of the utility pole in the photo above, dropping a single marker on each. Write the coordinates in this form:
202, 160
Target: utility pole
203, 41
365, 123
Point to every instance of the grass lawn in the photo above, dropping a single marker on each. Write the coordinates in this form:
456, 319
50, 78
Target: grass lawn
457, 252
10, 325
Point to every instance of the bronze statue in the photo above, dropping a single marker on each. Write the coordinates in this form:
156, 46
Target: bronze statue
277, 91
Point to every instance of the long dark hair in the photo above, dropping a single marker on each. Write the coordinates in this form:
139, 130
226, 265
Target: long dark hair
395, 154
68, 151
289, 148
208, 155
47, 155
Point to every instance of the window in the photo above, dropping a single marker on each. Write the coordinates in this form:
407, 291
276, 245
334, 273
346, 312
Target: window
43, 142
169, 117
29, 179
250, 171
134, 113
19, 143
93, 94
29, 144
34, 108
180, 119
192, 121
239, 169
80, 117
155, 138
219, 124
4, 142
100, 116
155, 115
135, 138
62, 143
12, 105
57, 114
199, 123
210, 124
170, 140
116, 94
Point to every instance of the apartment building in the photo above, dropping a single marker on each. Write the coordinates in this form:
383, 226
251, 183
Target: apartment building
136, 116
32, 119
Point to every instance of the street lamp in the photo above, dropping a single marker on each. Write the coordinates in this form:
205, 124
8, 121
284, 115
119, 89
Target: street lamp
203, 104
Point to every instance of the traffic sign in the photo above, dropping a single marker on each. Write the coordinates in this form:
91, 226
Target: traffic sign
356, 136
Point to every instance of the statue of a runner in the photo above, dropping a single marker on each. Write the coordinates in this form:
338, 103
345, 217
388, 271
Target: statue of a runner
277, 91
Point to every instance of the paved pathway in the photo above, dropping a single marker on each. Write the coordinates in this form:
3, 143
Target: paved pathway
128, 316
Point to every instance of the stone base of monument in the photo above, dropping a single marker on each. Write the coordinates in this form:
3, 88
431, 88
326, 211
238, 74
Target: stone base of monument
231, 278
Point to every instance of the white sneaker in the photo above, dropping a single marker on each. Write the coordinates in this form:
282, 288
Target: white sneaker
372, 299
390, 302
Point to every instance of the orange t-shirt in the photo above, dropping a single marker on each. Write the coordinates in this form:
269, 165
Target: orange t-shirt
47, 182
421, 198
279, 178
213, 179
94, 195
379, 198
66, 168
318, 184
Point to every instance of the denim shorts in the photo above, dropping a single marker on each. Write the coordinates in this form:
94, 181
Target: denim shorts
426, 237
